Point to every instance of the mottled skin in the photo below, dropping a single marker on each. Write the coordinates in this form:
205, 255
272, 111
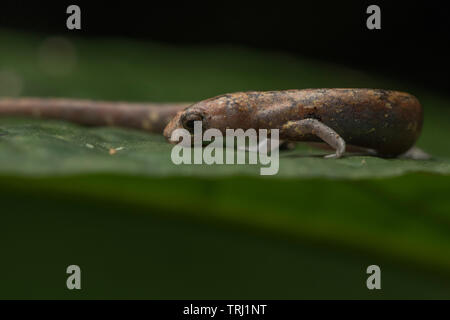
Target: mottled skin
388, 122
151, 117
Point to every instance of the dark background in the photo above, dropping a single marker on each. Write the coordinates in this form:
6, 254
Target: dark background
412, 44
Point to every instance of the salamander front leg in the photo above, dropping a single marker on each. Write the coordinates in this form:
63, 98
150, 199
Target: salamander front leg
296, 130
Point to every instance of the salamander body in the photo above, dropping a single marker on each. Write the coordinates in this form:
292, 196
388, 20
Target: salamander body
386, 121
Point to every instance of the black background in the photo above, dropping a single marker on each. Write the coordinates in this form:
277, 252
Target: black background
412, 44
277, 309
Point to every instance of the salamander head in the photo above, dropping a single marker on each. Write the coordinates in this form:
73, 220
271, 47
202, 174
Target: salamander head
221, 112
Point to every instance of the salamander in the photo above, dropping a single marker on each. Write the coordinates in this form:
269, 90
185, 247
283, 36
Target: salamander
384, 121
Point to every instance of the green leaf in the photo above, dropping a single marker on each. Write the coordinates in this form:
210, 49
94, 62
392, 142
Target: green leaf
49, 147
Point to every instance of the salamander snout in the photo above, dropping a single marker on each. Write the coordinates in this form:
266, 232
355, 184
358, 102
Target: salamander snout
219, 112
185, 119
172, 126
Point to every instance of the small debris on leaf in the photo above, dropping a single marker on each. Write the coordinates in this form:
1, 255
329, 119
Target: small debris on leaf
114, 150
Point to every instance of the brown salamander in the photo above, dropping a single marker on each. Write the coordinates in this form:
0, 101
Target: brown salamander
388, 122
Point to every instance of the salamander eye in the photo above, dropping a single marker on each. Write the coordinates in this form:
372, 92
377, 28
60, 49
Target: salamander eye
188, 120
